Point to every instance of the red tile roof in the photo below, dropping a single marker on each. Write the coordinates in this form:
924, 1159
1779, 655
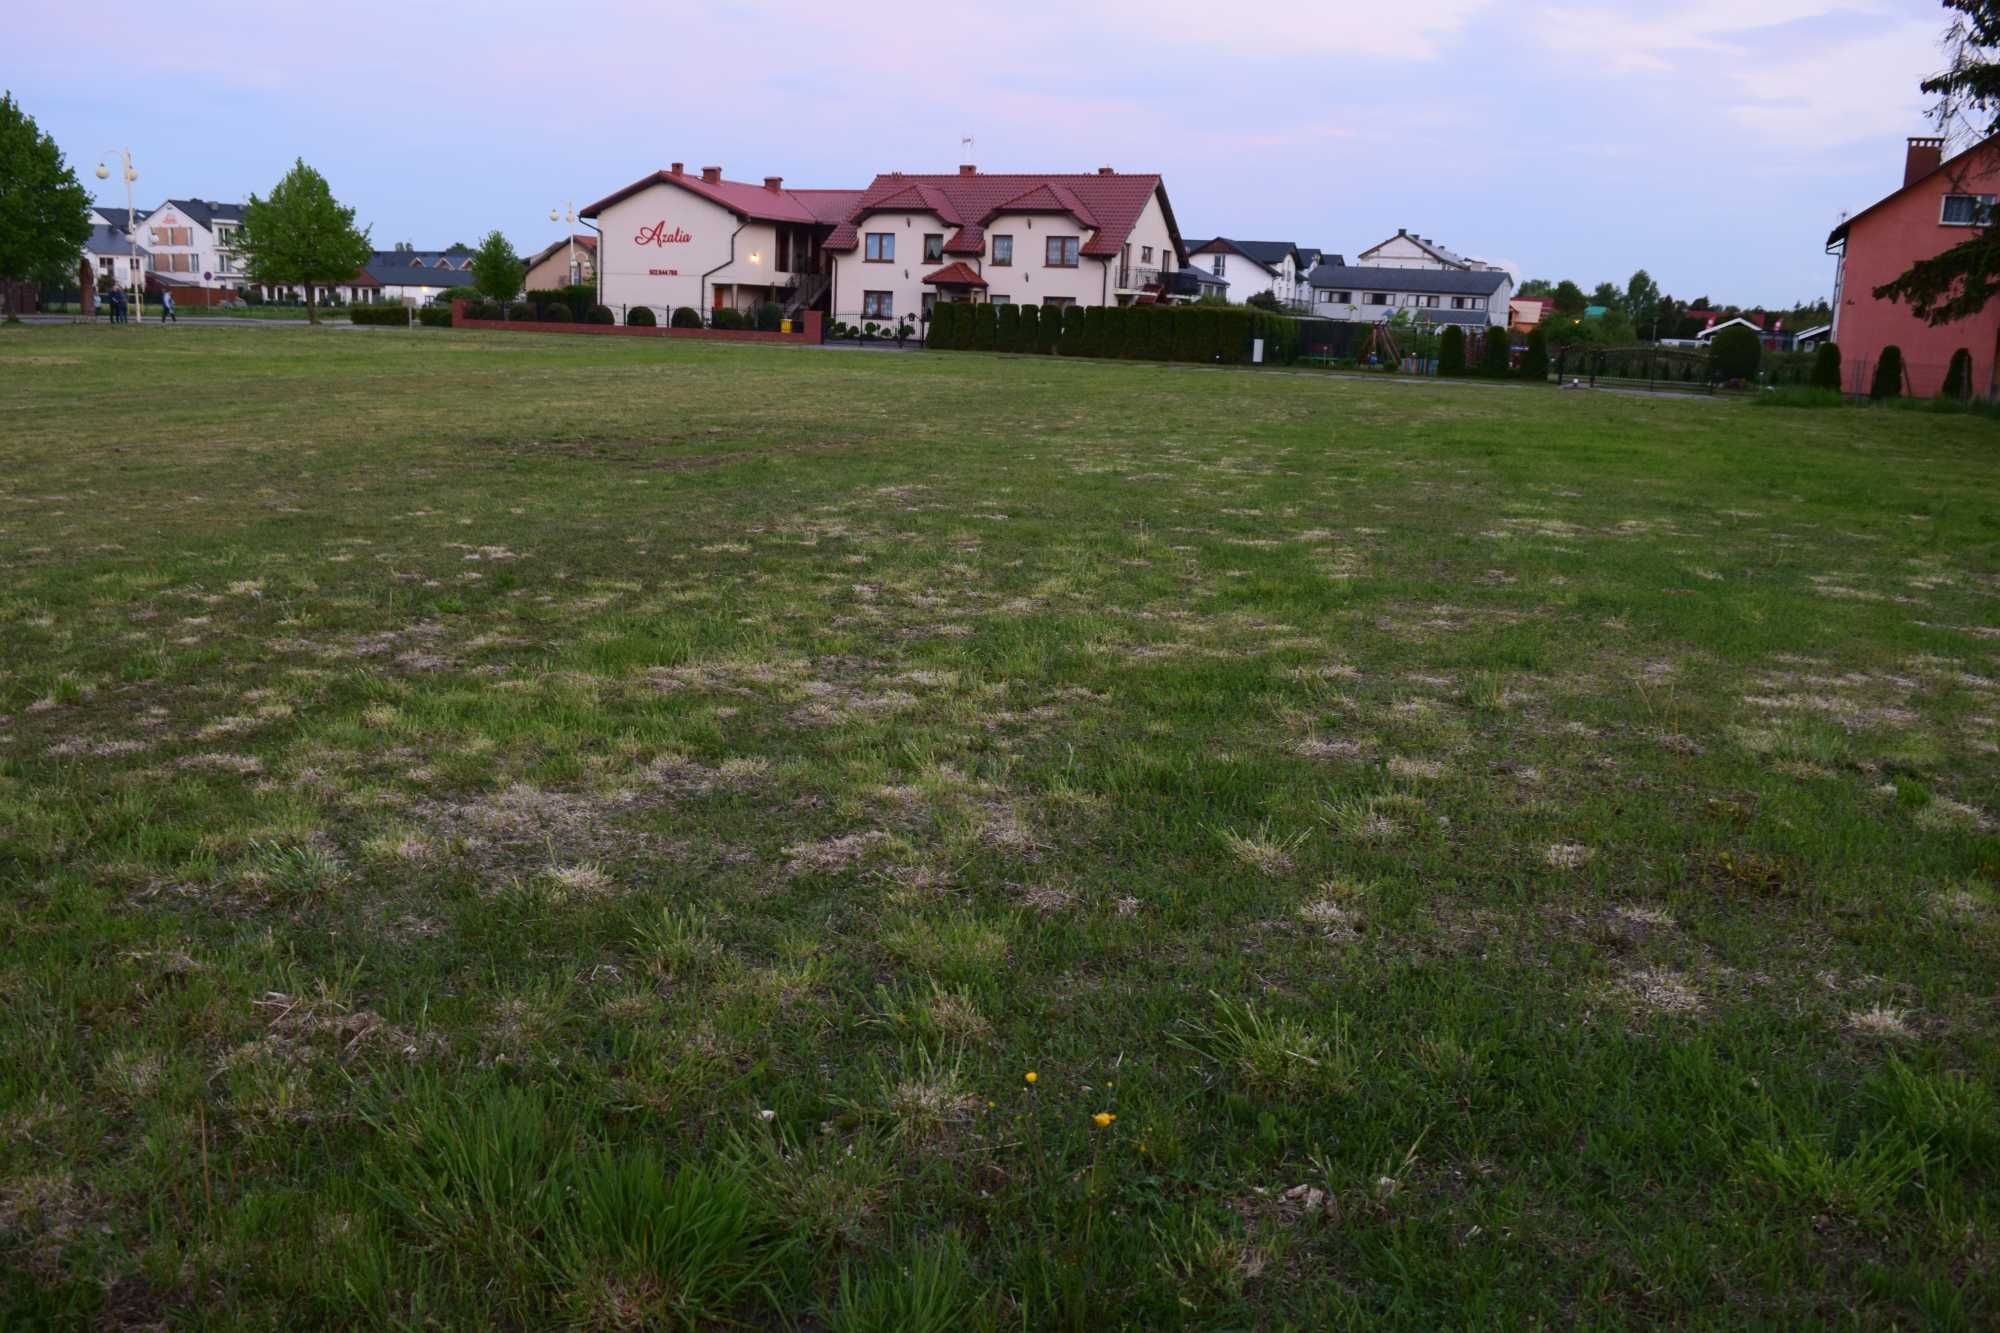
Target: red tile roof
955, 275
583, 242
1107, 204
823, 207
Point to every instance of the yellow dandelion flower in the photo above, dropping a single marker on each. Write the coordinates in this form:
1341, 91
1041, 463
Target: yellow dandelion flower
1104, 1119
1030, 1076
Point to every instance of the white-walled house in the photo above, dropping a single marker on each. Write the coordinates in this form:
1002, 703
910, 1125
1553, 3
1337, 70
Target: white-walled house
1372, 294
1100, 239
193, 242
113, 257
1406, 249
675, 239
1250, 267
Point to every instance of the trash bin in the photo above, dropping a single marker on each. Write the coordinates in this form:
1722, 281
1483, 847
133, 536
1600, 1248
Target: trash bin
784, 326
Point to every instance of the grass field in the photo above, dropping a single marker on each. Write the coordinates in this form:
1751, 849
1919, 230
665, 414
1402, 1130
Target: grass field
507, 830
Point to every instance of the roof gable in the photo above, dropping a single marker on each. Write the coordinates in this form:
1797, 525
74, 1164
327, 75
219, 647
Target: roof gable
1109, 204
1428, 281
759, 202
1990, 146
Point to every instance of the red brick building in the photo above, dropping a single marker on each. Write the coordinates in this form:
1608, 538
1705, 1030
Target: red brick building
1941, 203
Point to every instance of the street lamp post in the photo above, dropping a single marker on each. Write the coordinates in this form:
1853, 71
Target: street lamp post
567, 214
131, 220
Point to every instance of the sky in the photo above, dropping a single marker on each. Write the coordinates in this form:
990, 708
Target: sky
1712, 142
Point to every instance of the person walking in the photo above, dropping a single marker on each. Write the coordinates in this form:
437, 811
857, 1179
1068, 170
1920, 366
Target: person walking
167, 314
117, 305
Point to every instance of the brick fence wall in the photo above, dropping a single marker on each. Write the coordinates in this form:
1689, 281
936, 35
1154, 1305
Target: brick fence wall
809, 332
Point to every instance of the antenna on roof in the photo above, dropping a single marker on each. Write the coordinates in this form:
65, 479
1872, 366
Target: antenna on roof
965, 141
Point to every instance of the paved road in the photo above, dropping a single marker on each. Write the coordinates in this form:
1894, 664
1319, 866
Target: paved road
194, 321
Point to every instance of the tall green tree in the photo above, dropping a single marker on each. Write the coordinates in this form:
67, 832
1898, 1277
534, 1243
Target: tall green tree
301, 236
496, 269
1569, 298
1960, 281
1642, 302
44, 212
1537, 287
1607, 295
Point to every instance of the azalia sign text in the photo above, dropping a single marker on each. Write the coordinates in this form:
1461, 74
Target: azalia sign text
657, 234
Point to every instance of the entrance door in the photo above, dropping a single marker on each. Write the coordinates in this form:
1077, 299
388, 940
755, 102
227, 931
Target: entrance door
721, 303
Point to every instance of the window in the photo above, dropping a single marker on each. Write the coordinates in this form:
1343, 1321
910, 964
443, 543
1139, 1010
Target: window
1344, 298
1966, 210
1145, 254
933, 247
1216, 265
1427, 302
1003, 251
1062, 251
999, 299
1380, 298
878, 305
1059, 302
880, 247
1468, 303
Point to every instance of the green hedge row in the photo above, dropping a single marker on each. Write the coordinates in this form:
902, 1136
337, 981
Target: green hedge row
1131, 332
379, 314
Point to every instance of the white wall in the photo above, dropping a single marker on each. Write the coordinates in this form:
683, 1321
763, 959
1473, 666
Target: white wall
670, 274
1358, 310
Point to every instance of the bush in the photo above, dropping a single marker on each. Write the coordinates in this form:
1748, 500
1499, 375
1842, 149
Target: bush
1888, 382
726, 317
1734, 354
1958, 378
1451, 351
1008, 336
1794, 396
967, 327
433, 316
641, 317
769, 316
387, 315
943, 334
1535, 357
1495, 356
522, 312
1071, 340
555, 312
1030, 339
1265, 301
685, 317
598, 314
1826, 367
1052, 327
985, 326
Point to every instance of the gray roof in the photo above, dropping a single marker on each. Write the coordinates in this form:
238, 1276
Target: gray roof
417, 268
118, 217
207, 212
109, 241
1439, 281
1267, 253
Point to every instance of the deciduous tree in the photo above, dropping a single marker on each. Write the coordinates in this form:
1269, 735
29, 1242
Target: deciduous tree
44, 212
301, 235
496, 269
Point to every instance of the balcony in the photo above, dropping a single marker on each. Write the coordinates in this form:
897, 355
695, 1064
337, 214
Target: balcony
1136, 279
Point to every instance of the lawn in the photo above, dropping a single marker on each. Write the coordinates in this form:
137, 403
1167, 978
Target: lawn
508, 830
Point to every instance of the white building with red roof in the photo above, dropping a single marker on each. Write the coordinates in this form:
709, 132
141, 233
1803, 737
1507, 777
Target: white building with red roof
676, 239
1102, 238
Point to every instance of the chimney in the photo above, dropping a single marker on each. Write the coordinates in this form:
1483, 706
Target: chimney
677, 168
772, 183
1923, 157
967, 169
711, 175
1401, 232
1106, 171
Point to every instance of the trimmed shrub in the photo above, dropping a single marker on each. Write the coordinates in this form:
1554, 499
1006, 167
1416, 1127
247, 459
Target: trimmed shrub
685, 317
1093, 331
1888, 381
985, 326
1826, 367
769, 316
1160, 326
386, 315
641, 317
1031, 329
1052, 327
728, 317
1494, 355
1007, 338
435, 316
1451, 351
1735, 353
598, 314
937, 334
555, 312
1535, 357
1958, 378
522, 312
1072, 339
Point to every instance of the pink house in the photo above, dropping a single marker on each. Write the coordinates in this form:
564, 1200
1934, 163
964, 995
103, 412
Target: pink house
1940, 204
